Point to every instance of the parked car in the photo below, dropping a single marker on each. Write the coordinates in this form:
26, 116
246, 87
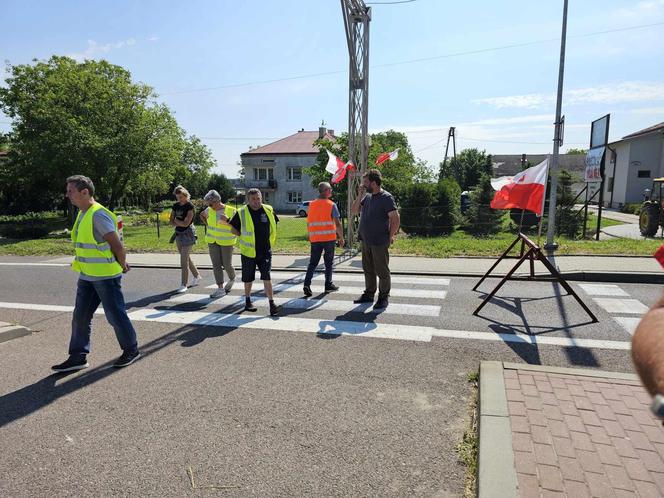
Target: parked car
302, 208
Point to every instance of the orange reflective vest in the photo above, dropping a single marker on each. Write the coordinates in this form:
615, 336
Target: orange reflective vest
320, 224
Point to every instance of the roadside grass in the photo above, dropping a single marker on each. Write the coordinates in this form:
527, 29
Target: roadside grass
140, 236
468, 448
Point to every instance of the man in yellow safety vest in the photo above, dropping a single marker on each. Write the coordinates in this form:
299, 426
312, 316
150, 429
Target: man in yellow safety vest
100, 261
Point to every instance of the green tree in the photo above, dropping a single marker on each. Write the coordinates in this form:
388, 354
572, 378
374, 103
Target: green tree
397, 175
481, 219
579, 152
568, 222
87, 118
221, 184
467, 168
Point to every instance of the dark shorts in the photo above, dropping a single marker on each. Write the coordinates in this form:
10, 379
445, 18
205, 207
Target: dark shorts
264, 264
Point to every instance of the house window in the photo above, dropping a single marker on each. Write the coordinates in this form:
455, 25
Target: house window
294, 197
263, 173
267, 161
609, 187
644, 173
294, 174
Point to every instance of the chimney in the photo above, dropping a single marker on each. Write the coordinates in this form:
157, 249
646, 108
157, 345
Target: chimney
331, 132
321, 131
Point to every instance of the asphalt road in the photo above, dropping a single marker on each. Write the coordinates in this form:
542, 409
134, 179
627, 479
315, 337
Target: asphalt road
261, 406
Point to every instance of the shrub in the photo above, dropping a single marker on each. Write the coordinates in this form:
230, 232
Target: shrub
481, 220
31, 225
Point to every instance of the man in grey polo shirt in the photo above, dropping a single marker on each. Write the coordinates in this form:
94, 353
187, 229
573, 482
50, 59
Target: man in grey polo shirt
379, 224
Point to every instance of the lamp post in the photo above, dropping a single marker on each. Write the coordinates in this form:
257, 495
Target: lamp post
557, 141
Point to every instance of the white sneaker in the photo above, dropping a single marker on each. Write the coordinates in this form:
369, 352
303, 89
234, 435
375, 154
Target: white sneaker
194, 281
229, 285
218, 293
181, 290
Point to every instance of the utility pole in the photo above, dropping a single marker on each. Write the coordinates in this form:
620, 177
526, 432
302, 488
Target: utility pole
356, 21
557, 140
450, 135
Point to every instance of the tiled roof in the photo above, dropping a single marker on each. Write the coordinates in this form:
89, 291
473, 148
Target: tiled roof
645, 131
301, 142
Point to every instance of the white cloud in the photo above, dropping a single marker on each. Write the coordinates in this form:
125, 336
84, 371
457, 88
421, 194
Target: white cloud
640, 11
153, 38
648, 111
94, 49
627, 91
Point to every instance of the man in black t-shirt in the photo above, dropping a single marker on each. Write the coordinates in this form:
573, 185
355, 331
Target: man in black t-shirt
256, 245
379, 224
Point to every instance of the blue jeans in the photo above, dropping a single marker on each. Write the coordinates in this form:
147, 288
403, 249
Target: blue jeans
318, 248
88, 296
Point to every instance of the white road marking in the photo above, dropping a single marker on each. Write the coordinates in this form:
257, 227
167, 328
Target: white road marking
347, 289
336, 327
35, 264
621, 306
350, 277
629, 323
603, 290
314, 304
360, 329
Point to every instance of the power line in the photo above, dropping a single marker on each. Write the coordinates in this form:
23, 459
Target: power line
414, 61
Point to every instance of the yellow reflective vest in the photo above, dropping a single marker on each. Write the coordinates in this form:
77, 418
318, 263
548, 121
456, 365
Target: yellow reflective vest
217, 232
93, 258
247, 235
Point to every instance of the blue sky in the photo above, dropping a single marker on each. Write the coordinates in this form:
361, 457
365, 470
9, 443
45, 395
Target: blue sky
502, 101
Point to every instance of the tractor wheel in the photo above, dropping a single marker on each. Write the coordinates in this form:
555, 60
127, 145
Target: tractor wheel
649, 219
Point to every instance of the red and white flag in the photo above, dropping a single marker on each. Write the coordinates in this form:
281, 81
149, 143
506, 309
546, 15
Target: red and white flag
333, 163
337, 167
387, 156
525, 190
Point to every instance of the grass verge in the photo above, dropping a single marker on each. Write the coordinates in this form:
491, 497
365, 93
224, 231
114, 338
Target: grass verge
468, 448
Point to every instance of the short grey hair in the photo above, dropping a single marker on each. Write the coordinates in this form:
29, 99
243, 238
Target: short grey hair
212, 196
323, 186
82, 182
254, 191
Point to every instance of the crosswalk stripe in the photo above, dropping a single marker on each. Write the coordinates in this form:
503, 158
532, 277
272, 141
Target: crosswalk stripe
359, 329
622, 306
629, 323
347, 289
314, 304
603, 290
350, 277
336, 327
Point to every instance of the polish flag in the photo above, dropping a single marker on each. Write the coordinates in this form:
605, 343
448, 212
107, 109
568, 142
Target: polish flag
337, 167
334, 164
387, 156
341, 172
524, 190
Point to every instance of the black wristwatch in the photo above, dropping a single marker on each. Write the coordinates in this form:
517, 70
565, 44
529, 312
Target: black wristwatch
657, 406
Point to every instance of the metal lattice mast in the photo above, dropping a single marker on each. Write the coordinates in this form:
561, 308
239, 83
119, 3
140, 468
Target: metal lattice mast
356, 21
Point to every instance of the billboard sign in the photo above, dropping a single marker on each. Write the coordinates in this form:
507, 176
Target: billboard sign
594, 165
599, 132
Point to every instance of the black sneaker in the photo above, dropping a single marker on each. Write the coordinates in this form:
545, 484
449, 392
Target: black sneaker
364, 299
274, 309
381, 303
71, 364
307, 291
248, 306
332, 288
127, 359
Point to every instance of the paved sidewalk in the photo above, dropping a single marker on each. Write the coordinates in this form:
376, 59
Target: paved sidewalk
574, 432
592, 268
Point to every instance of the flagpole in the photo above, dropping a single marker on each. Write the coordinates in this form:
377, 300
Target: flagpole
539, 230
557, 140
